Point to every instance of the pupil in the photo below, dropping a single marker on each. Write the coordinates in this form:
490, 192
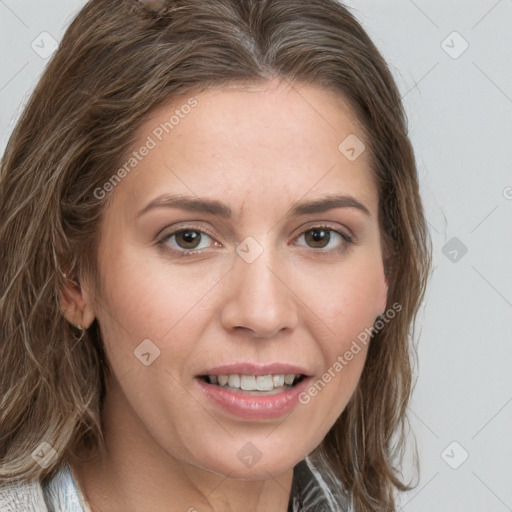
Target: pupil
190, 237
317, 235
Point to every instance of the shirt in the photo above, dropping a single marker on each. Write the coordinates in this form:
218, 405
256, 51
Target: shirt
309, 493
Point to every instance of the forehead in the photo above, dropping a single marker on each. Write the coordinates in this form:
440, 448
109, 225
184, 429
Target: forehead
275, 140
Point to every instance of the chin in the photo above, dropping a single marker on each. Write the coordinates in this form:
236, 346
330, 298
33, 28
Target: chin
261, 469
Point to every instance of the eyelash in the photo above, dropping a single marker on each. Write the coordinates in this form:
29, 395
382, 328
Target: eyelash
162, 241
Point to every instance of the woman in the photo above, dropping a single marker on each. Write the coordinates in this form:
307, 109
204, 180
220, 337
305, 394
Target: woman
213, 247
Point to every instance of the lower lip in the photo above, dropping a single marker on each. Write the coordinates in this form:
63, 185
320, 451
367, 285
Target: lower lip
254, 407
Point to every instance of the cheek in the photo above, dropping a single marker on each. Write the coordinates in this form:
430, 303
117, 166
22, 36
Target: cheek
147, 299
347, 302
148, 294
347, 299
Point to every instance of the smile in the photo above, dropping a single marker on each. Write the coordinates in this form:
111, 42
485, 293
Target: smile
254, 403
253, 383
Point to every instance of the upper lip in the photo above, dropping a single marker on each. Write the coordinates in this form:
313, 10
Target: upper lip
256, 369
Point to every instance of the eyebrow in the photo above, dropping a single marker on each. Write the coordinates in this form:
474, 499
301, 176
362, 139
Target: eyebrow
214, 207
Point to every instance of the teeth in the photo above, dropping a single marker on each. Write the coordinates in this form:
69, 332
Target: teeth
234, 381
288, 379
264, 383
278, 380
248, 383
252, 382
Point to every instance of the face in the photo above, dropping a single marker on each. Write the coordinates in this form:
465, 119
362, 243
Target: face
220, 255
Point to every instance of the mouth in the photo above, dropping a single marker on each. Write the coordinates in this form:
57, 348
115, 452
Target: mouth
255, 384
266, 396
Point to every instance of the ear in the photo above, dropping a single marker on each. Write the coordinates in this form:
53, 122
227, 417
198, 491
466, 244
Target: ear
75, 305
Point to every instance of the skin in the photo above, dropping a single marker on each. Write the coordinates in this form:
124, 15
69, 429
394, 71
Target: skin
259, 151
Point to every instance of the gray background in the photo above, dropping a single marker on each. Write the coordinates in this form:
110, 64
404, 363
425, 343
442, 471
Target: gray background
459, 105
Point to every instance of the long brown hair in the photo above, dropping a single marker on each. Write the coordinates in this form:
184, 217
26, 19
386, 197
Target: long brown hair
116, 63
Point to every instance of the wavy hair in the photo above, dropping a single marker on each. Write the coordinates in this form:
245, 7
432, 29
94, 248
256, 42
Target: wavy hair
115, 64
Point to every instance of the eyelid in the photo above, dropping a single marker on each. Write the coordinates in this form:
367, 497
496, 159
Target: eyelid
325, 225
168, 231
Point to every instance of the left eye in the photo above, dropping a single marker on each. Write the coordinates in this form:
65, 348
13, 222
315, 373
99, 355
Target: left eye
319, 237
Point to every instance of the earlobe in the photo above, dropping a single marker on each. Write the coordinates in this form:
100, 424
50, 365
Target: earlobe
74, 306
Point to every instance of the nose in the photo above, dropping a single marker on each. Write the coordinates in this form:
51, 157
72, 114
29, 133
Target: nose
259, 298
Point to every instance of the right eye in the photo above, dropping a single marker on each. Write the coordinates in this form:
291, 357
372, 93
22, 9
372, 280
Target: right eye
185, 240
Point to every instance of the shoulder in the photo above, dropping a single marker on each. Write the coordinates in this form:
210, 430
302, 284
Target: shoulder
22, 497
57, 494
